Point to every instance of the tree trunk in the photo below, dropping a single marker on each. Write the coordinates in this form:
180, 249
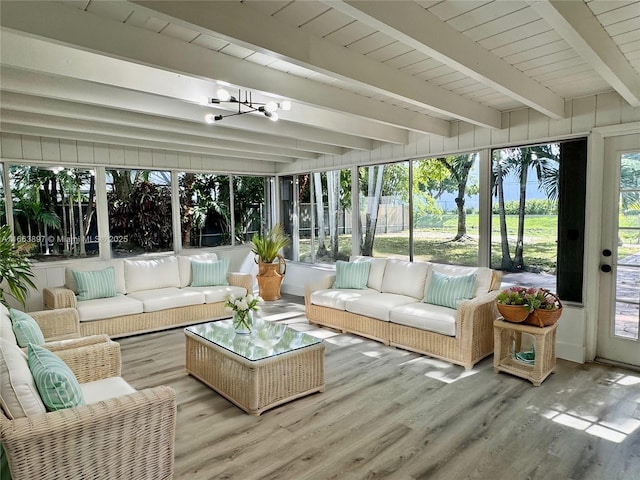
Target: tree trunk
373, 202
333, 185
506, 263
518, 258
317, 187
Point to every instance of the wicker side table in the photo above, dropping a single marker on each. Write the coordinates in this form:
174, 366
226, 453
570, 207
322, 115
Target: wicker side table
507, 334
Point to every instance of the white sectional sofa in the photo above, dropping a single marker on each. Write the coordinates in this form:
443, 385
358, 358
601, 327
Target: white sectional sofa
396, 306
150, 295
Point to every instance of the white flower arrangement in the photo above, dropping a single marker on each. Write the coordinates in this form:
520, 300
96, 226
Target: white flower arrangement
241, 308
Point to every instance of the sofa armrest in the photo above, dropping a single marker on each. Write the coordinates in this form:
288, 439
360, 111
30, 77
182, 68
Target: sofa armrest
59, 297
92, 360
476, 313
241, 280
58, 324
131, 436
321, 284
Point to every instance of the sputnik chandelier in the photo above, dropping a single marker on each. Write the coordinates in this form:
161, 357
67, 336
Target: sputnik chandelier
246, 105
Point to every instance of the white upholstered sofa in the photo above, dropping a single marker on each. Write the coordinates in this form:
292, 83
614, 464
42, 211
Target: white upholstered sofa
150, 295
396, 306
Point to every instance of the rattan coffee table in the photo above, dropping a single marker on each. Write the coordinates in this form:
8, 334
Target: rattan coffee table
272, 365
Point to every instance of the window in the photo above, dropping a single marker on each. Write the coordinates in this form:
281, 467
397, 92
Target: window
445, 209
139, 203
205, 203
250, 215
537, 234
54, 210
384, 210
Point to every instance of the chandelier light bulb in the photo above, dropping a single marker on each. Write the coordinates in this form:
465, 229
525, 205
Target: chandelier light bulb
210, 118
271, 106
273, 117
286, 105
223, 95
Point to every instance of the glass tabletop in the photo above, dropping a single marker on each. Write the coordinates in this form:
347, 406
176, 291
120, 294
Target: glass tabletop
267, 339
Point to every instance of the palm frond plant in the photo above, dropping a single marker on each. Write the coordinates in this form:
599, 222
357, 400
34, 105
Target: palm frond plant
267, 247
15, 268
267, 250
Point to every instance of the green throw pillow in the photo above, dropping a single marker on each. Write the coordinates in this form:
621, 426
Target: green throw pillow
448, 291
96, 284
56, 383
352, 275
25, 328
209, 273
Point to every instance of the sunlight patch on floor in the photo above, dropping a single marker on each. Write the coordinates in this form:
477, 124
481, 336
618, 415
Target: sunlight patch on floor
441, 370
613, 430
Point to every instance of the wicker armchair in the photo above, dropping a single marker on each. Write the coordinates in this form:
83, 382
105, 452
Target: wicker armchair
127, 437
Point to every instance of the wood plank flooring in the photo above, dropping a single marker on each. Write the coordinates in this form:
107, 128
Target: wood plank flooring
387, 413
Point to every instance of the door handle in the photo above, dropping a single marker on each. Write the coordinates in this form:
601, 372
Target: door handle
605, 268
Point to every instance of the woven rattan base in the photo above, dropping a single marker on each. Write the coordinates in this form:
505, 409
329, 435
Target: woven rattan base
259, 385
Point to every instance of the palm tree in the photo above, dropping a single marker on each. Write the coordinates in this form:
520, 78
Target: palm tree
543, 160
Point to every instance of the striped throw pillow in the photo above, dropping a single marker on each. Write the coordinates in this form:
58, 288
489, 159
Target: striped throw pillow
352, 275
448, 291
56, 383
25, 328
96, 283
209, 273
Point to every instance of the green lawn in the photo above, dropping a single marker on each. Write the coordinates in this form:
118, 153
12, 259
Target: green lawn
432, 243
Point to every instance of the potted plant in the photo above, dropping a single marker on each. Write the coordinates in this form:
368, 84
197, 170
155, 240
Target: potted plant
536, 306
267, 250
15, 269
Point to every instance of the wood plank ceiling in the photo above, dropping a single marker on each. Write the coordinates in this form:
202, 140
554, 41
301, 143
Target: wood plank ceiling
138, 73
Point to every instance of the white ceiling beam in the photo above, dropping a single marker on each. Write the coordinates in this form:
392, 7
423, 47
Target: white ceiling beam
413, 25
243, 163
213, 147
61, 108
251, 28
249, 127
575, 22
90, 32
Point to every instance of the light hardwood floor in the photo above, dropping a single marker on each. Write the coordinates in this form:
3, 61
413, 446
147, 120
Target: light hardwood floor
387, 413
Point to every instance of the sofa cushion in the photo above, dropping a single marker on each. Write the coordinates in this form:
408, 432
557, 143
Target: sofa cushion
26, 329
56, 383
484, 275
19, 395
184, 265
336, 298
378, 305
104, 389
215, 294
426, 316
118, 267
352, 274
102, 308
449, 290
405, 278
142, 275
376, 272
95, 284
165, 298
208, 273
6, 328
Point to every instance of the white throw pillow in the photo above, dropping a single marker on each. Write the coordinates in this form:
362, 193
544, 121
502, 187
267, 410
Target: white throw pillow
19, 396
151, 274
405, 278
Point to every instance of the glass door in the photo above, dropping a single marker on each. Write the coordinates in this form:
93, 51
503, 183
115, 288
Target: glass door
619, 317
